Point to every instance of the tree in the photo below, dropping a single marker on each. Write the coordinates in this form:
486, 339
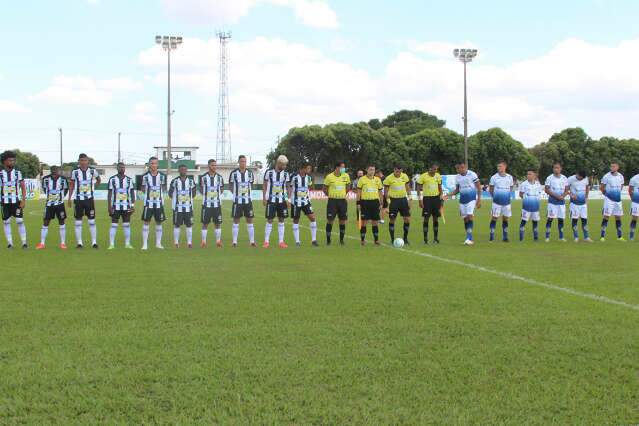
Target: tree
27, 163
442, 146
427, 120
488, 147
573, 148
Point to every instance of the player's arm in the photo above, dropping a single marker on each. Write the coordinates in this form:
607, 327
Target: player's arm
264, 191
193, 189
171, 190
550, 193
587, 191
132, 195
109, 198
602, 188
454, 192
65, 188
289, 193
325, 189
71, 189
23, 189
98, 179
631, 189
478, 187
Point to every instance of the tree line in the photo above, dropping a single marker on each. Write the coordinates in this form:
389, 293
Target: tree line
416, 139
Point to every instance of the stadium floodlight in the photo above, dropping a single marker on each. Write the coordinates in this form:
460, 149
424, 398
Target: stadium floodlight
465, 56
168, 43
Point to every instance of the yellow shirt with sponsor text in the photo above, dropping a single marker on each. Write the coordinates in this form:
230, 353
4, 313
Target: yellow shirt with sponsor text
397, 185
370, 187
430, 184
337, 185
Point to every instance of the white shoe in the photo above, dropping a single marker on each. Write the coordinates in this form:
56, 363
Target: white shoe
588, 240
547, 240
469, 242
381, 221
145, 248
563, 240
576, 240
159, 247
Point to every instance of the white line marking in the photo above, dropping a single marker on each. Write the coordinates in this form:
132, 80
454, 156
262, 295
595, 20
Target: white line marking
508, 275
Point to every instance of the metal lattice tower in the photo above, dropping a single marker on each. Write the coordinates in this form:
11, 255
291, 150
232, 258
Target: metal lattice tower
223, 145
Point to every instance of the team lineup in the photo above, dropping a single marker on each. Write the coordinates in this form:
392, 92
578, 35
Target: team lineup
287, 195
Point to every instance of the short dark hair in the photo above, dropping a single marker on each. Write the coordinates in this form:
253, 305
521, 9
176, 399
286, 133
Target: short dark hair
614, 162
502, 162
398, 166
339, 164
212, 160
82, 156
54, 169
7, 155
460, 163
581, 173
182, 165
152, 158
121, 164
241, 157
435, 165
531, 170
304, 165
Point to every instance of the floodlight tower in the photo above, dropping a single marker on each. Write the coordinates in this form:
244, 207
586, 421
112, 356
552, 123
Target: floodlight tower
168, 43
465, 56
223, 143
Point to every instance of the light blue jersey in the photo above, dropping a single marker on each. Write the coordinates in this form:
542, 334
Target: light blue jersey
578, 189
557, 186
634, 182
467, 186
532, 196
502, 186
614, 185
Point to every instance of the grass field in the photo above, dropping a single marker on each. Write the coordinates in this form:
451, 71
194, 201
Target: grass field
328, 335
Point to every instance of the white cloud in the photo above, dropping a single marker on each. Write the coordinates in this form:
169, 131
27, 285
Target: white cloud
10, 106
313, 13
145, 112
80, 90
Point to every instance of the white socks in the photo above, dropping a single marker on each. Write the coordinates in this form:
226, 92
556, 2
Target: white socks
78, 231
218, 234
112, 232
251, 232
7, 232
158, 235
189, 235
296, 232
127, 233
236, 231
63, 234
43, 234
93, 230
145, 235
22, 230
267, 232
314, 231
280, 231
204, 235
176, 235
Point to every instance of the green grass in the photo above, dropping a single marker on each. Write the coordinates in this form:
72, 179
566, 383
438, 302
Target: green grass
328, 335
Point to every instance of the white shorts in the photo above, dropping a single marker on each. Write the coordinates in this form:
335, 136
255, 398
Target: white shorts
467, 209
526, 216
612, 208
504, 211
556, 211
578, 211
635, 209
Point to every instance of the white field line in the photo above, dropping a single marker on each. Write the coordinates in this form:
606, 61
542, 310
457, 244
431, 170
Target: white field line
508, 275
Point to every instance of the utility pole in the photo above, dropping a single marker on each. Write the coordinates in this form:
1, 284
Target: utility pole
465, 56
223, 143
61, 161
119, 151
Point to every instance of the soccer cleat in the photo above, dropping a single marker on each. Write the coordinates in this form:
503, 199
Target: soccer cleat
218, 243
234, 245
377, 243
576, 240
436, 241
79, 246
588, 240
266, 244
425, 242
381, 221
95, 246
298, 244
406, 243
621, 239
563, 240
253, 244
362, 243
159, 247
63, 246
547, 240
144, 248
602, 239
203, 244
111, 247
283, 245
341, 242
177, 245
315, 244
128, 247
40, 246
328, 243
469, 242
25, 246
9, 246
189, 245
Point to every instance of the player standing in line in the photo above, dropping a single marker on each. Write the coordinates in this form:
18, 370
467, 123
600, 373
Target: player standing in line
530, 192
13, 193
298, 195
358, 210
83, 181
579, 188
384, 210
154, 188
55, 188
611, 186
468, 187
633, 190
397, 187
336, 187
556, 186
275, 200
121, 201
370, 195
429, 190
211, 187
182, 190
241, 182
500, 187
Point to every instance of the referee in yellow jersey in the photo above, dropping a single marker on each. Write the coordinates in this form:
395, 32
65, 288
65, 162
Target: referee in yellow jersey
336, 186
429, 190
397, 187
369, 195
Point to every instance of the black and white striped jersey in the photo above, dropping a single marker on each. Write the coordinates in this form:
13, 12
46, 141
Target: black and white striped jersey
182, 194
154, 187
276, 182
122, 189
300, 186
10, 186
84, 181
212, 188
55, 189
242, 184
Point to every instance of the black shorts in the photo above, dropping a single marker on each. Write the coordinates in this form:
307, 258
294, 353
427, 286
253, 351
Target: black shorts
296, 212
243, 210
12, 210
369, 210
398, 206
84, 208
211, 214
432, 206
125, 215
156, 213
182, 218
336, 207
273, 209
52, 212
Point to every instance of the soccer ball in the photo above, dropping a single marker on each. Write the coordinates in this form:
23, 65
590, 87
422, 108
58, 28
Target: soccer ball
398, 243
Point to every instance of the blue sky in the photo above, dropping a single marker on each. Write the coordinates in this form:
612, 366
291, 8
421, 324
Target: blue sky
91, 67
